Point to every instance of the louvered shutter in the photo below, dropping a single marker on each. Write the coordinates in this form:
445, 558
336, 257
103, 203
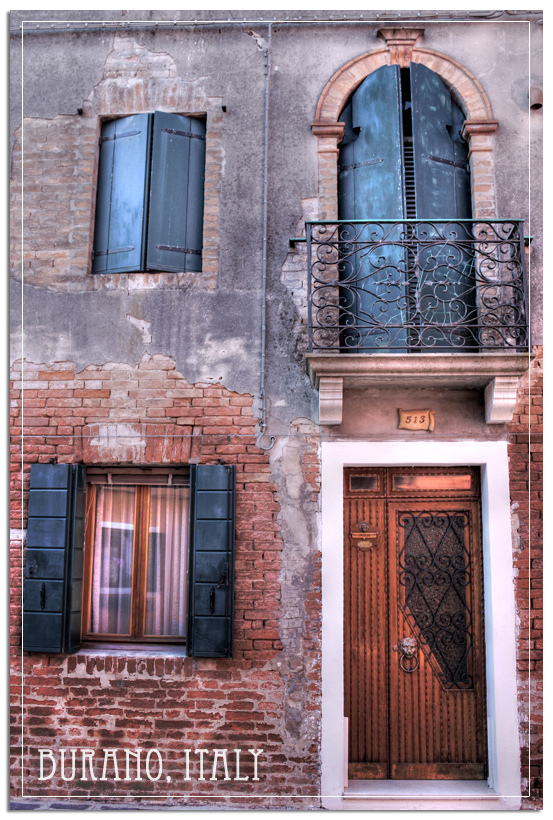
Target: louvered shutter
53, 567
442, 191
175, 227
212, 522
119, 240
370, 179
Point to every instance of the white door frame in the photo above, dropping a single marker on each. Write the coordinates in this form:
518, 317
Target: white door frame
502, 790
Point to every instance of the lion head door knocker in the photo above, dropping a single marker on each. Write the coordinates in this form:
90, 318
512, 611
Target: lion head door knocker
408, 649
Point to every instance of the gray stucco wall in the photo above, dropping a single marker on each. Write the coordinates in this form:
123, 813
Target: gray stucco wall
217, 334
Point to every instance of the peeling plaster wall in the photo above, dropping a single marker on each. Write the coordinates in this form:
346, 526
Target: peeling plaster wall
211, 327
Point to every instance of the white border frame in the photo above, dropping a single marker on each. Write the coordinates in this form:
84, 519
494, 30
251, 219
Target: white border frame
502, 791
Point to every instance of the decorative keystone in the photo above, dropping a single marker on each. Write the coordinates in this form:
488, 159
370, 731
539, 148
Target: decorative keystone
500, 398
401, 42
331, 391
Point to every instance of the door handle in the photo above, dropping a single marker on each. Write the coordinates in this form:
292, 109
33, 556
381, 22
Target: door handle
408, 650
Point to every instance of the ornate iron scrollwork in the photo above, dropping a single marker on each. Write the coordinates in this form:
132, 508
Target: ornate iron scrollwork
417, 285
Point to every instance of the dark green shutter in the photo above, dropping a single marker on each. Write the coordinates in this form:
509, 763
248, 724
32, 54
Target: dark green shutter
370, 184
119, 240
175, 226
211, 572
442, 191
53, 567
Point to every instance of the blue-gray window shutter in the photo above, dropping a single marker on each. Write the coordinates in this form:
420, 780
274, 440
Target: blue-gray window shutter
211, 571
442, 191
175, 226
53, 567
370, 184
442, 185
121, 201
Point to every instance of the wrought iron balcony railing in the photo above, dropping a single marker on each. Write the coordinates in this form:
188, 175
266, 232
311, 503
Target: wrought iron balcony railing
416, 286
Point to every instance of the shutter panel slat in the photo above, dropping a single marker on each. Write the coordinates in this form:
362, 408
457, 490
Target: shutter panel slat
175, 224
53, 568
122, 195
212, 517
371, 187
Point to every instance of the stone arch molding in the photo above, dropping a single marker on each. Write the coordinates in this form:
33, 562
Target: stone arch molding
402, 47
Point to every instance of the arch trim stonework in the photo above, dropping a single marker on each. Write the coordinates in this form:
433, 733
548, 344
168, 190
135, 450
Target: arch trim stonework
401, 49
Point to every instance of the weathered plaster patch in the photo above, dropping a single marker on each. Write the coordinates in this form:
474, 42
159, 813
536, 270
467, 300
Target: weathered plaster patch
143, 328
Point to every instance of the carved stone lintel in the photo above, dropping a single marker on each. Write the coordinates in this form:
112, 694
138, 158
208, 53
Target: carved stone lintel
500, 398
331, 392
401, 42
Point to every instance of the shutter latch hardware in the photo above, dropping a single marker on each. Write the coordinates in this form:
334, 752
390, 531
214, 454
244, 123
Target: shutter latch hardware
222, 582
176, 249
183, 133
359, 164
108, 253
43, 596
449, 162
119, 136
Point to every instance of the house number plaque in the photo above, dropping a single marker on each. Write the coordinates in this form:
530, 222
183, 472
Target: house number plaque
416, 420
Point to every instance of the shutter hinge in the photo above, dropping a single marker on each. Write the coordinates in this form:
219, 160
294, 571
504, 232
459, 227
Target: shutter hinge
183, 133
359, 164
108, 253
176, 249
449, 162
119, 136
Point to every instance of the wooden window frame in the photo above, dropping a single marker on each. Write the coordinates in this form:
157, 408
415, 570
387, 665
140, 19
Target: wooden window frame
142, 480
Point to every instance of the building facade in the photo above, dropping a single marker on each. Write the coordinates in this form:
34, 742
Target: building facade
276, 410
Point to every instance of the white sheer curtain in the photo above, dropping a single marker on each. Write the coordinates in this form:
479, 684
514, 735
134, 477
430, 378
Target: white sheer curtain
167, 558
113, 557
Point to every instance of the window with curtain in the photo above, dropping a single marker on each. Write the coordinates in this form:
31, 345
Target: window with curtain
136, 558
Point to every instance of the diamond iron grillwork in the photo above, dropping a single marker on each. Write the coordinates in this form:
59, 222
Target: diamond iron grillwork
434, 574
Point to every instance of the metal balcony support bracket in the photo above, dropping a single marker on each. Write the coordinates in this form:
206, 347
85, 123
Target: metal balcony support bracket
331, 394
500, 397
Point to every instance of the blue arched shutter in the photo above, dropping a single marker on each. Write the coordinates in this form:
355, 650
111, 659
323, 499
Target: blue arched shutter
442, 185
370, 179
442, 191
119, 240
175, 226
212, 523
53, 567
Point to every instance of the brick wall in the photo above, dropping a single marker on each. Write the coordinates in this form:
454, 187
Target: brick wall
151, 414
526, 477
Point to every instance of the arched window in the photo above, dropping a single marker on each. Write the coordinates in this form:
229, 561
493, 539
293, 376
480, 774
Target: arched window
402, 155
407, 286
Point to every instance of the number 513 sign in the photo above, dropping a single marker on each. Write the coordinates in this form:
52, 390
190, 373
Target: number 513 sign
416, 420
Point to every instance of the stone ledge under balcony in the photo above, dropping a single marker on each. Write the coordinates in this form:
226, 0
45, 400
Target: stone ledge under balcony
497, 374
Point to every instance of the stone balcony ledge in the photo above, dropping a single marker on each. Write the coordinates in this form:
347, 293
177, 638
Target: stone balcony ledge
497, 374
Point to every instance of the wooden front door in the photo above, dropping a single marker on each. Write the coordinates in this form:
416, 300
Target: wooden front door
413, 628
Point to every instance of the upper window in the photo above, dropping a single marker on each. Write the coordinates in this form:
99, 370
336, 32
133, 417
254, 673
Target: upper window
150, 201
402, 156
